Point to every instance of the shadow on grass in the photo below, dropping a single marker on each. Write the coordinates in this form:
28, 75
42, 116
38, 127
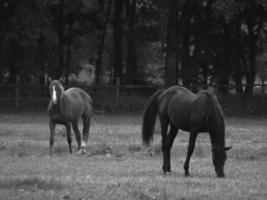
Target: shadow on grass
31, 184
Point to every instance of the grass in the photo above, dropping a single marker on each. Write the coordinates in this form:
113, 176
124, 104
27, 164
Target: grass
117, 166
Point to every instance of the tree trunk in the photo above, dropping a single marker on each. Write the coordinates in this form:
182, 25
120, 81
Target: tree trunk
131, 46
171, 40
15, 52
175, 30
250, 78
41, 59
60, 68
187, 71
223, 71
254, 29
98, 71
117, 41
69, 53
237, 58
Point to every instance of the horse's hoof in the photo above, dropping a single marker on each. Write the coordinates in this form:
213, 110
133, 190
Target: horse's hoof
167, 173
187, 174
83, 152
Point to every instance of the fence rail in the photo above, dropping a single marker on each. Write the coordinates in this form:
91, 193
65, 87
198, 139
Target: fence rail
110, 98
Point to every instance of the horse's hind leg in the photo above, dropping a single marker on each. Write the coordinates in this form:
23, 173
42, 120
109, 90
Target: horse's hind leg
169, 142
86, 128
77, 134
52, 126
191, 146
164, 123
68, 128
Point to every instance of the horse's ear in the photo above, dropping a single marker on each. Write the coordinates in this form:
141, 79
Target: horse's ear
227, 148
48, 80
61, 80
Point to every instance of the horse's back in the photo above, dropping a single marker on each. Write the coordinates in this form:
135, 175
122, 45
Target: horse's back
185, 109
177, 102
76, 102
78, 94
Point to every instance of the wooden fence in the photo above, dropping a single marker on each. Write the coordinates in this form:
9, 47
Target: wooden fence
105, 97
109, 98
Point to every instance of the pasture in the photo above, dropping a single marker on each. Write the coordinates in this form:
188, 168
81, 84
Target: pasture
118, 166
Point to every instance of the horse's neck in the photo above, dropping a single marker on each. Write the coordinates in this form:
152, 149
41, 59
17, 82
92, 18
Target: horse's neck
217, 134
217, 141
63, 104
216, 122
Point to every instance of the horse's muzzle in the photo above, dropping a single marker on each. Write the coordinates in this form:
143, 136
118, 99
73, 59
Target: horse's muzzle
220, 174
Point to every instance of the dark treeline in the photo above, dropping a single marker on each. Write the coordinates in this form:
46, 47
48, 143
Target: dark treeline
189, 42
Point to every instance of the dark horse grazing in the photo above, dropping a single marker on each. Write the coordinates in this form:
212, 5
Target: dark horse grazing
181, 109
66, 108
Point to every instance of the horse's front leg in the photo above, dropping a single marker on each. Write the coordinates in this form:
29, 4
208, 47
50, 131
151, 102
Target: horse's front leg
52, 126
190, 150
77, 134
69, 140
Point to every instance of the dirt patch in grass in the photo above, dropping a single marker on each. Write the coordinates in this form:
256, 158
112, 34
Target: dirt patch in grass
100, 149
134, 148
154, 150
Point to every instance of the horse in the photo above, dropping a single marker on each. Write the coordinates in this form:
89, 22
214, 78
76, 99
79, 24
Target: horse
179, 108
66, 108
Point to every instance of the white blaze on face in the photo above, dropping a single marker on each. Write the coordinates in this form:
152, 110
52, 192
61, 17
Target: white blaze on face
54, 94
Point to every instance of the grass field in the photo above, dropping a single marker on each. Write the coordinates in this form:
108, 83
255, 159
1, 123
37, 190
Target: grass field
117, 166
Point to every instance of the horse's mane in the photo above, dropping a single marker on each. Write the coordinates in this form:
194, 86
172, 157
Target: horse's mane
212, 99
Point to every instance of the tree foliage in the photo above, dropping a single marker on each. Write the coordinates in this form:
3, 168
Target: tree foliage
191, 42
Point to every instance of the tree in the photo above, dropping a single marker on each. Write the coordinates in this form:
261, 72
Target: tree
99, 58
254, 15
131, 59
27, 26
117, 40
247, 18
172, 44
176, 26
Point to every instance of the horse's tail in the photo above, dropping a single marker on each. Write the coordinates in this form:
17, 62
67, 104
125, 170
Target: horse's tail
149, 118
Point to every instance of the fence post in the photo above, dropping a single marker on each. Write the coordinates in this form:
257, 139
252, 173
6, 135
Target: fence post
17, 92
117, 88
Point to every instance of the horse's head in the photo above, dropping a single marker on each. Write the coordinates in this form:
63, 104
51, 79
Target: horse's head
56, 90
219, 157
